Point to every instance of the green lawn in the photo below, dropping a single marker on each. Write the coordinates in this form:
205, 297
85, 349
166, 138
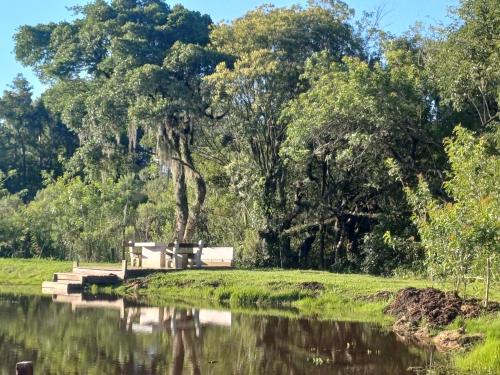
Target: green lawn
25, 276
314, 293
485, 357
334, 295
324, 294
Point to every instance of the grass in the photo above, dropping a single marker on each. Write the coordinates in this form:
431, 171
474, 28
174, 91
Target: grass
289, 293
323, 294
485, 357
25, 276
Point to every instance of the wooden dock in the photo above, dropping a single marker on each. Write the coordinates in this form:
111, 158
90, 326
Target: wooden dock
73, 282
146, 258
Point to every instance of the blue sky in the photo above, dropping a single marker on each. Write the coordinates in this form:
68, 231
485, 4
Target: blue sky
399, 16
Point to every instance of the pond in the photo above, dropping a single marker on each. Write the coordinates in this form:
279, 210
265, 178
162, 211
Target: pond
87, 335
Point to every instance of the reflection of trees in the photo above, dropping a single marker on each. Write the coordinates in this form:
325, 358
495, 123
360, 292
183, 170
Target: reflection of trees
84, 342
98, 341
288, 346
184, 342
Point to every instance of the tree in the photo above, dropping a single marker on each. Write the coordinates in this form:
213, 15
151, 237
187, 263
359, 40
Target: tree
12, 223
126, 74
341, 131
171, 102
465, 61
32, 140
270, 46
461, 236
72, 219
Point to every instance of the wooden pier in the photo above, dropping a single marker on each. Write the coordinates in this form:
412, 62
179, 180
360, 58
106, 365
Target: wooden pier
73, 282
146, 258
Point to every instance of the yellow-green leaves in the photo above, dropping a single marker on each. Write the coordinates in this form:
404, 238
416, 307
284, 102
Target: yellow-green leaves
463, 233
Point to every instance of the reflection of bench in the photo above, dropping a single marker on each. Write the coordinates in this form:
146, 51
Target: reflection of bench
178, 255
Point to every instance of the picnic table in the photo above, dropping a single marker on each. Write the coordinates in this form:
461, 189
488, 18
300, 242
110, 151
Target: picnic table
165, 255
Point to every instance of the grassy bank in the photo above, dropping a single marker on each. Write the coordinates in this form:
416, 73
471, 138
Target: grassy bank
485, 357
318, 293
25, 276
313, 293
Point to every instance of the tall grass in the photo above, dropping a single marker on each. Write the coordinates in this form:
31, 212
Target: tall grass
485, 357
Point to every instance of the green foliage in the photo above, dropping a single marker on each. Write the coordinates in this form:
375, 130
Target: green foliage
32, 140
153, 221
460, 235
288, 133
270, 46
71, 219
465, 61
315, 28
391, 249
12, 222
341, 130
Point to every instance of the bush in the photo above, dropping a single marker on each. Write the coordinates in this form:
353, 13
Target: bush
12, 226
461, 236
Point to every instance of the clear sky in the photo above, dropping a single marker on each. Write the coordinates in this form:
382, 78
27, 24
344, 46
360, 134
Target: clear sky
399, 16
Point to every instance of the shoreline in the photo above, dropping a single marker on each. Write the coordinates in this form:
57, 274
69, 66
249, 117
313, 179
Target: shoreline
318, 294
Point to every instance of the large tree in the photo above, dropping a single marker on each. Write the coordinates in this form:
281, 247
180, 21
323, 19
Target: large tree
464, 61
270, 46
126, 76
31, 140
353, 118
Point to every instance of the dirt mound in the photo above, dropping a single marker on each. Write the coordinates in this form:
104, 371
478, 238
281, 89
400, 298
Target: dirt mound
455, 340
435, 306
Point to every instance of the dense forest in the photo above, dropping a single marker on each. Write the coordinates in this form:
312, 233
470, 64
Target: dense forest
305, 137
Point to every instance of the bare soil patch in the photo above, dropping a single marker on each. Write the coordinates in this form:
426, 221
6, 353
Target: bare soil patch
435, 307
418, 310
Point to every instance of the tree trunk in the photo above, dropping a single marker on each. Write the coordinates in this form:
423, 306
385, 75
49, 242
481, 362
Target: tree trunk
322, 246
487, 282
200, 188
181, 200
338, 247
176, 137
304, 250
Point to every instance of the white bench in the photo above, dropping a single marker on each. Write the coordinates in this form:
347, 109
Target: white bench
173, 255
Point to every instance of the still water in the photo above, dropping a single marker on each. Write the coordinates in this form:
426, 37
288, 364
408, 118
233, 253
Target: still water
84, 335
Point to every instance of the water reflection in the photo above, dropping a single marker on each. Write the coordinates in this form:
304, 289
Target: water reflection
88, 335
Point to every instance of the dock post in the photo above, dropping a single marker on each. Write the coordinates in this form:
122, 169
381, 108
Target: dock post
197, 324
198, 254
24, 368
124, 268
177, 261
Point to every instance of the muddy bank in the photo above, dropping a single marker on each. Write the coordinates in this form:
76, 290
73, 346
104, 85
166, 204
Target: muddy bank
435, 307
419, 311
